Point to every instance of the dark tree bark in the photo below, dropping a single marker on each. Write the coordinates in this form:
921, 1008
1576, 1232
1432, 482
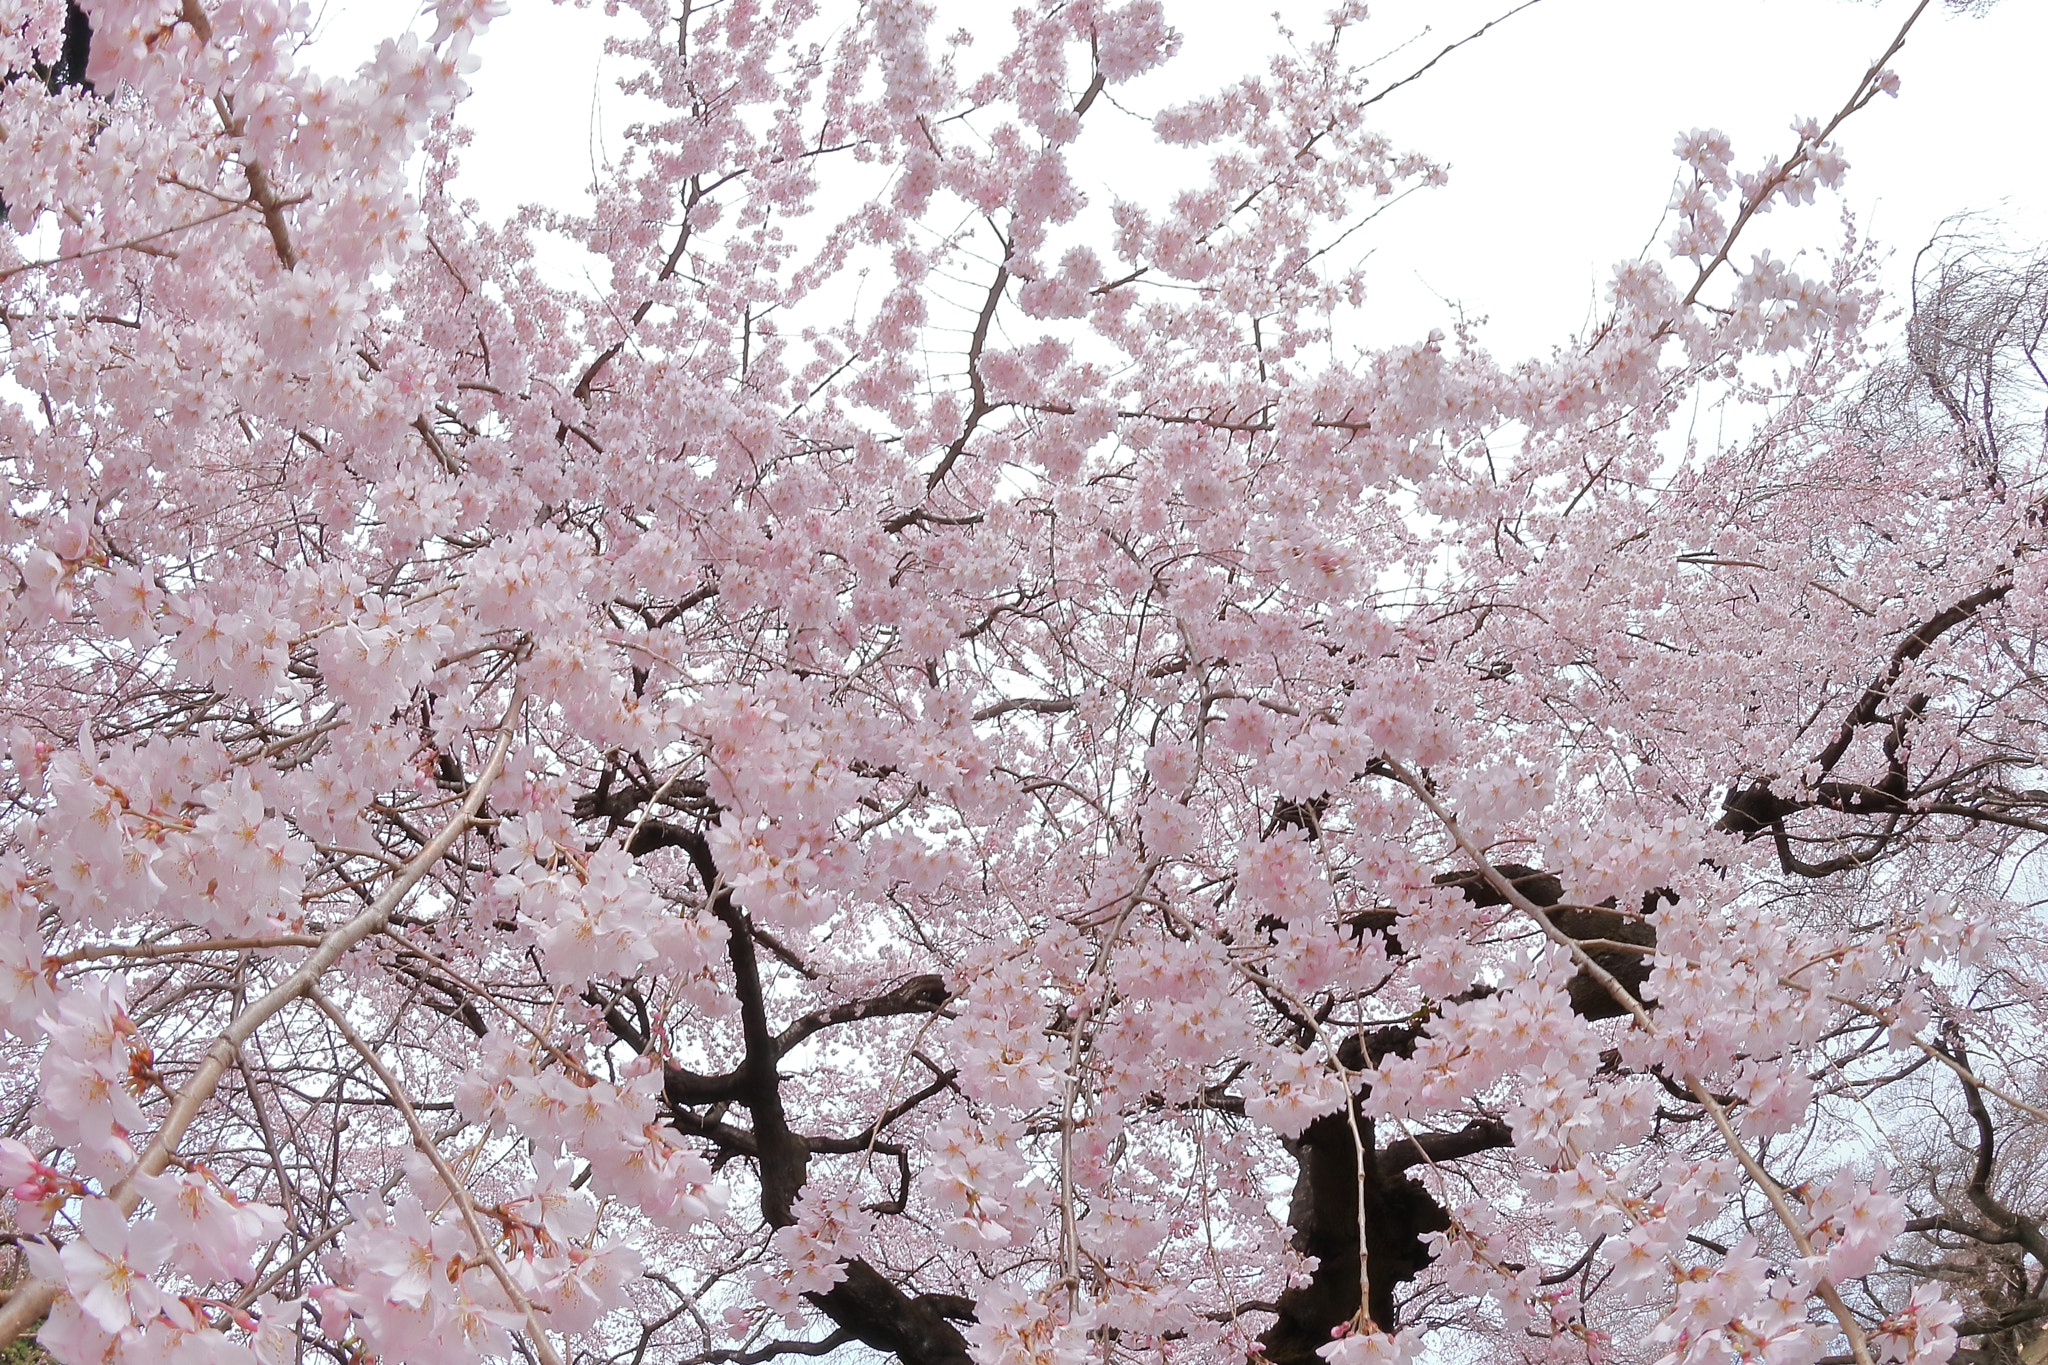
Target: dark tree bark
1397, 1210
74, 56
1324, 1214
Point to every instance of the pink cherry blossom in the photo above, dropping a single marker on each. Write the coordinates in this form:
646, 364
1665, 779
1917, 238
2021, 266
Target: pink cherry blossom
107, 1267
925, 754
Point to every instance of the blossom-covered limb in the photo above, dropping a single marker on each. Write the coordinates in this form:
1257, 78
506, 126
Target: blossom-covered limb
32, 1299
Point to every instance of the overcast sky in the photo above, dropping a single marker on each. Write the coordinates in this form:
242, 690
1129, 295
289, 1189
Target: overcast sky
1557, 126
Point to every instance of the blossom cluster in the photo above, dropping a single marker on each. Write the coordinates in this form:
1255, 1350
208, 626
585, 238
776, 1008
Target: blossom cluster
920, 752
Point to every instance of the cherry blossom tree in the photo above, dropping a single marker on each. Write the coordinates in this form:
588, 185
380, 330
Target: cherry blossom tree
938, 766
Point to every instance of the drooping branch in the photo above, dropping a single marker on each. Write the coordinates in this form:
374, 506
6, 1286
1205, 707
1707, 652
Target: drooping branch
1633, 1005
32, 1299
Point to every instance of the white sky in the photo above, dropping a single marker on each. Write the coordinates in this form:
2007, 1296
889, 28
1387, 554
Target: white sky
1557, 126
